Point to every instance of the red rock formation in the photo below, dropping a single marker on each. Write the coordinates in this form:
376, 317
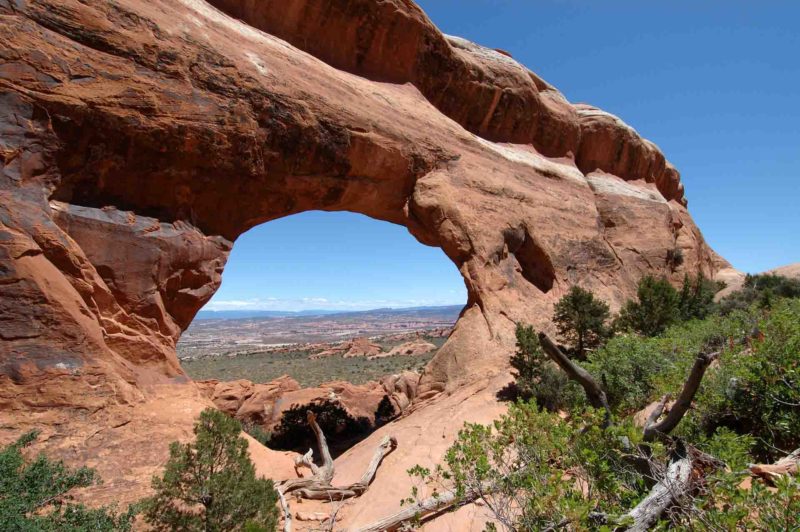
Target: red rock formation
139, 139
361, 347
413, 348
357, 347
264, 404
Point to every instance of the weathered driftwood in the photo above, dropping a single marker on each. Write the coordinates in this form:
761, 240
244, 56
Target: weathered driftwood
669, 491
788, 465
423, 510
318, 485
653, 427
594, 392
287, 513
686, 468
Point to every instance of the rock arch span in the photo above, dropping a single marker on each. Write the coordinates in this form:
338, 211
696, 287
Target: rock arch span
139, 139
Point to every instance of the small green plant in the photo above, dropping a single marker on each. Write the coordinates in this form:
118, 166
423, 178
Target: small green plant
674, 258
258, 433
655, 309
35, 495
210, 484
536, 377
697, 298
581, 320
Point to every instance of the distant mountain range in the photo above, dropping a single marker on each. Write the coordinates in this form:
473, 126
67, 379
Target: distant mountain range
266, 314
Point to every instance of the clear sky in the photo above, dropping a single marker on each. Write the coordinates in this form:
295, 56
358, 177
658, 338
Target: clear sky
716, 84
323, 260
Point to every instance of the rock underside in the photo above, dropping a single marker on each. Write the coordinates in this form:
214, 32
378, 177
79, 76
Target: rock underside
138, 139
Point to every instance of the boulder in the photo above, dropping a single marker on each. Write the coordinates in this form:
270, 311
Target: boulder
361, 347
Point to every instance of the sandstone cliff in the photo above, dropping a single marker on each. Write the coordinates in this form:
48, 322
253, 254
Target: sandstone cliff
138, 139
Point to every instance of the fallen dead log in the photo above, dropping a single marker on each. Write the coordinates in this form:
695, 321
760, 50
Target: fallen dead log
668, 492
423, 510
318, 486
287, 513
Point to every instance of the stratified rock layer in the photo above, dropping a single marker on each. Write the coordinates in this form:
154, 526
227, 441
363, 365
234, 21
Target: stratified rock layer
139, 139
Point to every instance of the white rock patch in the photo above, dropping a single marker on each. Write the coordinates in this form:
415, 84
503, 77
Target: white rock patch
525, 155
603, 183
257, 62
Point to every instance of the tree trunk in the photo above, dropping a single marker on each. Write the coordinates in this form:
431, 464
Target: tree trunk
594, 392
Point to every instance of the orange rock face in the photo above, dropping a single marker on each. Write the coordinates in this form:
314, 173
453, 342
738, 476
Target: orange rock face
139, 139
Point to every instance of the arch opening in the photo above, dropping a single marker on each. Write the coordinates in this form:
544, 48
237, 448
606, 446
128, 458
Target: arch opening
333, 311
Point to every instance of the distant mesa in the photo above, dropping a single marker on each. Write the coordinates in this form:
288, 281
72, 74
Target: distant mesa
245, 314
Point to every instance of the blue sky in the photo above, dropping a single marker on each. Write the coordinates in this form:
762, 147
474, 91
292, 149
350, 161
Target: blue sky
716, 84
341, 260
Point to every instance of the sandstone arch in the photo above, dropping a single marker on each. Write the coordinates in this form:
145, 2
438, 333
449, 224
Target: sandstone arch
140, 138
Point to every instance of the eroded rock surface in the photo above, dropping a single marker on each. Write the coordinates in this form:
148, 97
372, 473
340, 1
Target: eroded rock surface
139, 139
265, 403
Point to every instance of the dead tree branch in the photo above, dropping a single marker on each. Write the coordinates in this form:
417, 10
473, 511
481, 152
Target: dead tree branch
594, 392
788, 465
423, 510
287, 512
684, 401
667, 492
318, 486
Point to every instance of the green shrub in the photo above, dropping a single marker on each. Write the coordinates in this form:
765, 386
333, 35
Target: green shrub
760, 290
385, 411
547, 470
258, 433
627, 367
756, 388
726, 506
340, 428
581, 320
34, 495
696, 299
210, 484
536, 377
655, 309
